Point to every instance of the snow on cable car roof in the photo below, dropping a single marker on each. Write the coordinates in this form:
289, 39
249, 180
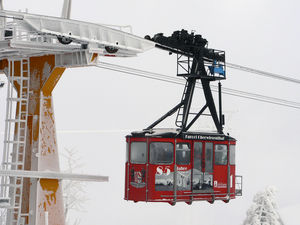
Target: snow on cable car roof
172, 133
29, 34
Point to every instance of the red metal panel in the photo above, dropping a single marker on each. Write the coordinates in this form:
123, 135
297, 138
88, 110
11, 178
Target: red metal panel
159, 179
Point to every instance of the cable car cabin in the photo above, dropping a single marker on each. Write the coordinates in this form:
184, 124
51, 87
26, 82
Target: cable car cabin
160, 167
177, 165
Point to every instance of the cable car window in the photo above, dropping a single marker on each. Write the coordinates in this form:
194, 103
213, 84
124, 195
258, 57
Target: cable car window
197, 170
209, 157
183, 153
221, 154
138, 152
232, 154
127, 151
198, 155
161, 153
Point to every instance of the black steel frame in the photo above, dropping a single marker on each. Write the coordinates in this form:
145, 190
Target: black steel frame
195, 66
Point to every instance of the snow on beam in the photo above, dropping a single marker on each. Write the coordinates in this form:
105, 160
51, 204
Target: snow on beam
53, 175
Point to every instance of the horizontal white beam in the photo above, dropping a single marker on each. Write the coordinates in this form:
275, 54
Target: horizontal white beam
53, 175
95, 37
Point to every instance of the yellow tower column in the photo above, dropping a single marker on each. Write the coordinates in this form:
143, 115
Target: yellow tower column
42, 198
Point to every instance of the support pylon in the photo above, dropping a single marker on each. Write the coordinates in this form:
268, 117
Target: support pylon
41, 198
31, 191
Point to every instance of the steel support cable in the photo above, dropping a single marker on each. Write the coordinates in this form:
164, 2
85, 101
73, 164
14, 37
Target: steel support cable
262, 73
263, 98
175, 80
255, 96
136, 71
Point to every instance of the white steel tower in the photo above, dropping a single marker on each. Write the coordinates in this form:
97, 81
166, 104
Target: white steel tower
35, 50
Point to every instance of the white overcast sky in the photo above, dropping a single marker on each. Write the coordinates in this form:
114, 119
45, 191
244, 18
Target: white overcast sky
262, 34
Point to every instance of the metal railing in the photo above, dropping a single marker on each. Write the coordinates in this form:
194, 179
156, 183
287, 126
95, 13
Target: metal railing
238, 185
14, 31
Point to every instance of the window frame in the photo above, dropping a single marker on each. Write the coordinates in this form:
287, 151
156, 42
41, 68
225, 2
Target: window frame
201, 153
127, 152
161, 163
215, 150
146, 158
190, 147
232, 154
206, 167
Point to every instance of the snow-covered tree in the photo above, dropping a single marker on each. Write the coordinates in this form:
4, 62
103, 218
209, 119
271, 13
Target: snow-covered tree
73, 191
264, 210
3, 216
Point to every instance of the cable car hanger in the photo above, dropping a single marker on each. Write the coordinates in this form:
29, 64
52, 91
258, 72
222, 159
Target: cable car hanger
195, 61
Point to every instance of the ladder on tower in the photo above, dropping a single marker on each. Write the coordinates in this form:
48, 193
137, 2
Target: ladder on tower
15, 138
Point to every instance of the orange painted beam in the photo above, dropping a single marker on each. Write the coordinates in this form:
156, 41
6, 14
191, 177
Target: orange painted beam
51, 82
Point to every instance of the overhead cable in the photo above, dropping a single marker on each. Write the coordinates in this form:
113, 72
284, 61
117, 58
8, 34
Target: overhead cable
180, 81
262, 73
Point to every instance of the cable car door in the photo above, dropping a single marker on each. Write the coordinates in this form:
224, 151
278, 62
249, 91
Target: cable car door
222, 168
183, 169
161, 169
137, 170
203, 167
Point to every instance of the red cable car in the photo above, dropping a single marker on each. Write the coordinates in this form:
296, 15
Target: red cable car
162, 167
171, 165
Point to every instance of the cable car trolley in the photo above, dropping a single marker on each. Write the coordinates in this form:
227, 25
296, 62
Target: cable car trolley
171, 165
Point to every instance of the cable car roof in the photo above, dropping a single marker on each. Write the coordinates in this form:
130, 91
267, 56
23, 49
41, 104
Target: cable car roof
175, 133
